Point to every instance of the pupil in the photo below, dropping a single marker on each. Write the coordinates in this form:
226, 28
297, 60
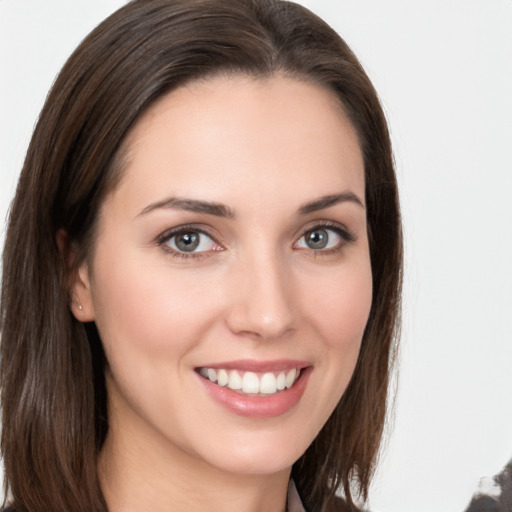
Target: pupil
317, 239
187, 241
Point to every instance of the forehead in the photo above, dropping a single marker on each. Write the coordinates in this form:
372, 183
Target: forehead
227, 135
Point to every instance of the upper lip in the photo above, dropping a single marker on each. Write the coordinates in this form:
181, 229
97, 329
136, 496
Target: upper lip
257, 366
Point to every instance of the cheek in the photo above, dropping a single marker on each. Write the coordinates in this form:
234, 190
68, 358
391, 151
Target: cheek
146, 307
337, 309
340, 305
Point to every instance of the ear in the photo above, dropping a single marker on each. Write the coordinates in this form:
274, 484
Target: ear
78, 281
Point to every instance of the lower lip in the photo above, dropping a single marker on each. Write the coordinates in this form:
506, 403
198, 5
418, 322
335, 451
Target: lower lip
254, 406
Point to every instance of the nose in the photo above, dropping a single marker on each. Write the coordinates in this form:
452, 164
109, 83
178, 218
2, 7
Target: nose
262, 305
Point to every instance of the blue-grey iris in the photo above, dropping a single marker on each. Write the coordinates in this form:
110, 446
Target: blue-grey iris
187, 241
317, 239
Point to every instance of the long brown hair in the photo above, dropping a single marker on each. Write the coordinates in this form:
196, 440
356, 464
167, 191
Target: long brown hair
53, 390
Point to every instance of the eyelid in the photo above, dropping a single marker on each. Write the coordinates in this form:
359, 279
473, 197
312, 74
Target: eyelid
169, 233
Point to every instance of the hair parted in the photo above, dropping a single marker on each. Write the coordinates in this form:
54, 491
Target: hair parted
53, 396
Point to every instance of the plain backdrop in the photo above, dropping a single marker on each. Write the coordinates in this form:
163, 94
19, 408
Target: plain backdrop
443, 69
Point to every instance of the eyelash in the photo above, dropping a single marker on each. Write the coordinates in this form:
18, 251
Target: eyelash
342, 232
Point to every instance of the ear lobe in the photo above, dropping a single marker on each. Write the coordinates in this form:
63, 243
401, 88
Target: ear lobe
78, 281
82, 304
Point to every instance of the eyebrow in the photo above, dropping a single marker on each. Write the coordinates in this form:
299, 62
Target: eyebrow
222, 210
328, 201
191, 205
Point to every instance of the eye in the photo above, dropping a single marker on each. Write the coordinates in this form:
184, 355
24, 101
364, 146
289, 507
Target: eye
189, 241
318, 239
324, 238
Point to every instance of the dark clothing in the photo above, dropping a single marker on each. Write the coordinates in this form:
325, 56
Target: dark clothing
500, 500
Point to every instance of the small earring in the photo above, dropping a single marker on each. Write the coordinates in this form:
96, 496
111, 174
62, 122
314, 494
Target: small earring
80, 307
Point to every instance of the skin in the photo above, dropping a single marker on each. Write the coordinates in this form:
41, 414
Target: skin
255, 289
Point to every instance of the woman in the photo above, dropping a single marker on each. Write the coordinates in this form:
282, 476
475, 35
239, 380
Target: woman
205, 249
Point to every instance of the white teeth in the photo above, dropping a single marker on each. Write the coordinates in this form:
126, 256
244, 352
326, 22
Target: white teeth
281, 381
222, 377
250, 383
290, 378
267, 383
235, 381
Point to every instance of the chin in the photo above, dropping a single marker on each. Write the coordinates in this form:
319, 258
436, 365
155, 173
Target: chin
262, 455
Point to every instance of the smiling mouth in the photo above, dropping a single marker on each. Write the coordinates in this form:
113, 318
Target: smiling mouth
252, 383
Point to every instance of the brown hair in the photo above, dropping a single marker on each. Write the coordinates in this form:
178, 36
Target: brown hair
53, 391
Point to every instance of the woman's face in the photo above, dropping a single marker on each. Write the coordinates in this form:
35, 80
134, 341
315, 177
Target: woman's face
233, 254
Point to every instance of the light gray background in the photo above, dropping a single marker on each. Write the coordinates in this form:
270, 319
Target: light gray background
444, 71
